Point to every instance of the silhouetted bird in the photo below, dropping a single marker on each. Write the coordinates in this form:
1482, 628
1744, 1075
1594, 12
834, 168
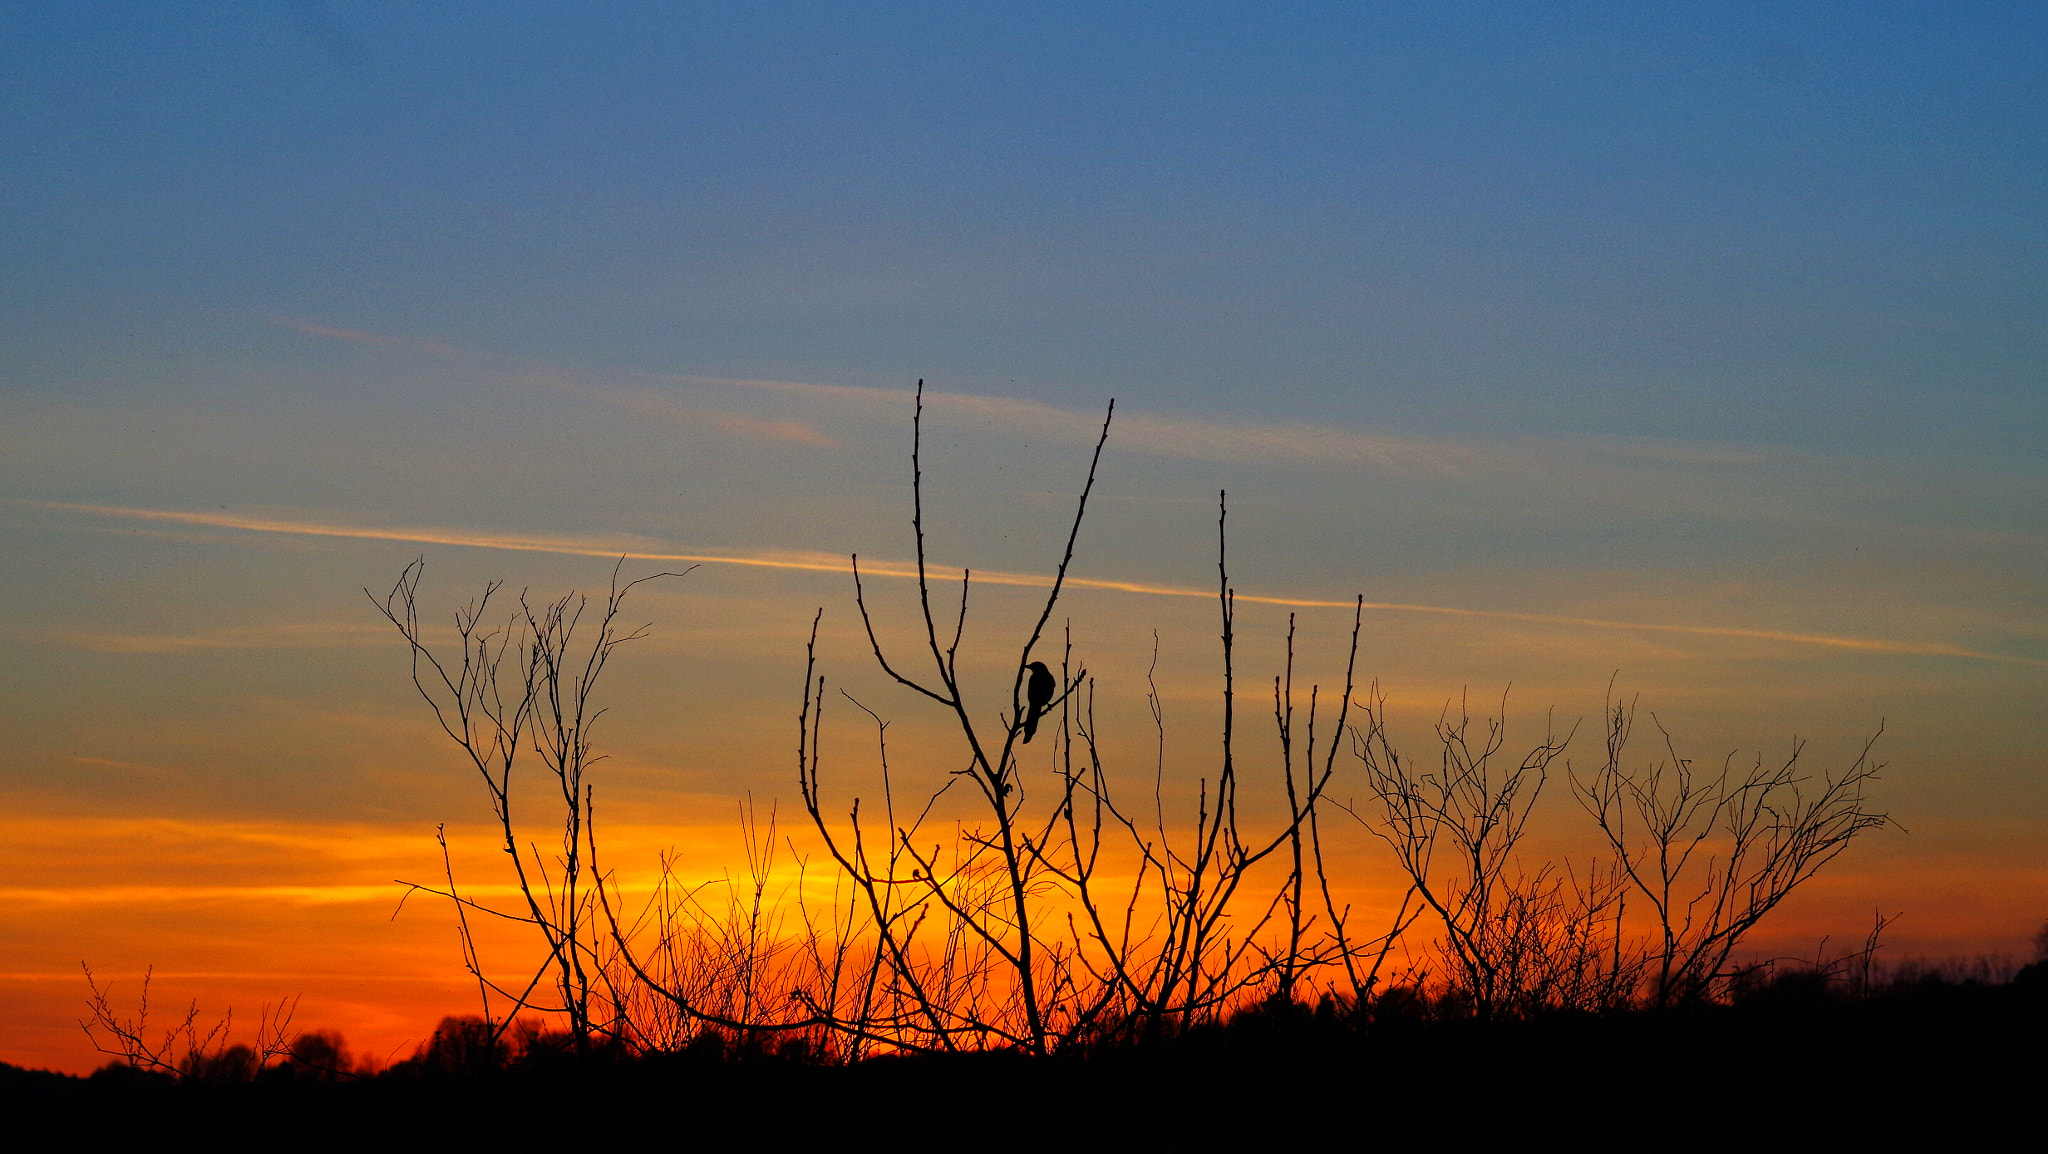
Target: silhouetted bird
1038, 696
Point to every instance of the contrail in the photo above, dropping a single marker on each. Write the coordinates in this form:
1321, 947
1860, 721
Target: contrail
822, 563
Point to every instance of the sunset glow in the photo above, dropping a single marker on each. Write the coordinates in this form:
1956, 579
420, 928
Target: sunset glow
1699, 358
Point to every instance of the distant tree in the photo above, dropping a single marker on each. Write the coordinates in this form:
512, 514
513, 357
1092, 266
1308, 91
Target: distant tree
237, 1063
2034, 975
465, 1045
320, 1055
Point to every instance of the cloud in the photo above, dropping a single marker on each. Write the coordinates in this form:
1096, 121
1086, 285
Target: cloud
1247, 443
581, 546
1705, 479
287, 635
1531, 475
1534, 474
1159, 434
156, 897
110, 763
818, 562
734, 424
742, 425
358, 337
150, 863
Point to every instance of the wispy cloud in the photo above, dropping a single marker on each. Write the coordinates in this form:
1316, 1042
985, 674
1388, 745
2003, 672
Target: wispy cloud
358, 337
1697, 477
156, 897
817, 562
736, 424
558, 379
1160, 434
285, 635
110, 763
1152, 433
297, 839
617, 546
1533, 474
1760, 488
1642, 475
739, 424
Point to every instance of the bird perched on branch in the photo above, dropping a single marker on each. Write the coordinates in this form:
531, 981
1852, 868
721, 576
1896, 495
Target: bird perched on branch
1038, 697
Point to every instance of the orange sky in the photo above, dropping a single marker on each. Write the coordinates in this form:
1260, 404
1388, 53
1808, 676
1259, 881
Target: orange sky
222, 768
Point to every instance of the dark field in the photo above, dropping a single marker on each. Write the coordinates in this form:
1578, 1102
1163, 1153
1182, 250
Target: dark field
1939, 1065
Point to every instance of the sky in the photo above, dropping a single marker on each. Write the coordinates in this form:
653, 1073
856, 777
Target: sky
1698, 349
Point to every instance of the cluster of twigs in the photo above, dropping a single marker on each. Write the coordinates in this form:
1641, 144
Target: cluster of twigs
1020, 939
1714, 852
185, 1050
1066, 917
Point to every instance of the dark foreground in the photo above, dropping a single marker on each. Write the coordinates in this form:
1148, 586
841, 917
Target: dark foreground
1931, 1067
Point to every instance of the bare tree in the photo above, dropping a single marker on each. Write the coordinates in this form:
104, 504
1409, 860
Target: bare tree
970, 946
1714, 851
542, 703
1193, 959
1513, 940
1001, 932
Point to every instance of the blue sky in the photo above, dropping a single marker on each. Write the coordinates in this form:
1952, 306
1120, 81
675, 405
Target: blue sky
1814, 224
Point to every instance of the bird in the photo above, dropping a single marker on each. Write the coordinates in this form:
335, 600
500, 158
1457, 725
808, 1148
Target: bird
1038, 696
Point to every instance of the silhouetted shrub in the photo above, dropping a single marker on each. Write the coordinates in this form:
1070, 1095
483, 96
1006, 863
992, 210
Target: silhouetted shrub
463, 1045
1770, 987
1398, 1005
237, 1063
320, 1055
119, 1073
